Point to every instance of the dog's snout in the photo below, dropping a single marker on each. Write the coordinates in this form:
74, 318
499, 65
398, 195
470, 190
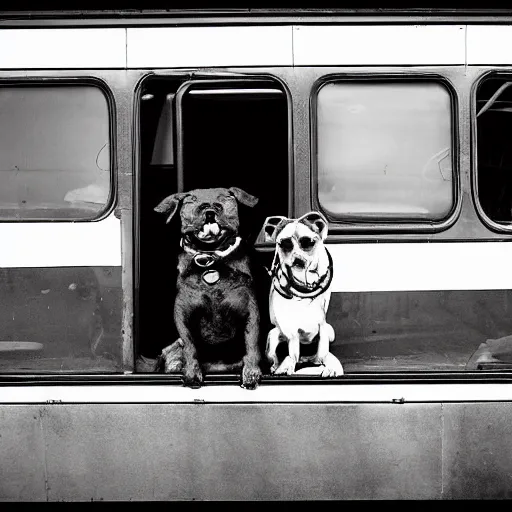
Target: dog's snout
299, 263
209, 215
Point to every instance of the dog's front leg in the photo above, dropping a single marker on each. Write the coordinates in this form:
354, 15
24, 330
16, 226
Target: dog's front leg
192, 374
273, 340
251, 372
171, 358
333, 367
326, 335
287, 367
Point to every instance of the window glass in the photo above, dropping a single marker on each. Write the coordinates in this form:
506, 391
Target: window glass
54, 152
426, 330
494, 169
384, 150
60, 319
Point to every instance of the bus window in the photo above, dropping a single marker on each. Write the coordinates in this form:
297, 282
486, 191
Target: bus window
59, 314
202, 134
384, 150
494, 151
54, 152
242, 130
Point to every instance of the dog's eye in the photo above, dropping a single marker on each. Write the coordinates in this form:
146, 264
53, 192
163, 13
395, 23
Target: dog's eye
306, 242
286, 244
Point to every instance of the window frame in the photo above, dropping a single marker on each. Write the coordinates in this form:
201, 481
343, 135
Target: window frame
188, 79
337, 223
241, 79
76, 81
199, 82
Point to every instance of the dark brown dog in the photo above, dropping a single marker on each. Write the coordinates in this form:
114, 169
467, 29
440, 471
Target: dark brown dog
215, 310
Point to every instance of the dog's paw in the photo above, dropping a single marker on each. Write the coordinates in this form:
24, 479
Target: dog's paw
287, 367
274, 362
251, 377
333, 367
274, 368
193, 377
172, 357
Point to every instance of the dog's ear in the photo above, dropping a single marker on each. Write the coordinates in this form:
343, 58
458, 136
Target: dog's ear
272, 226
170, 204
243, 197
317, 221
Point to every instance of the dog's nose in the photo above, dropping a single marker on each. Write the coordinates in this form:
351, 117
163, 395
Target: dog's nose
209, 216
299, 263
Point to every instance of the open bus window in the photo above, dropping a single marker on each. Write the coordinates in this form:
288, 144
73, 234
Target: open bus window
241, 129
54, 152
203, 133
384, 150
494, 151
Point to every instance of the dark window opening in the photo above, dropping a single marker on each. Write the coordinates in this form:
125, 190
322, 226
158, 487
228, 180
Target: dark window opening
494, 150
236, 135
202, 134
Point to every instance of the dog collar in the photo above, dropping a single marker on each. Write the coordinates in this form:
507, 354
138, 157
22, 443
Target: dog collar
206, 259
289, 291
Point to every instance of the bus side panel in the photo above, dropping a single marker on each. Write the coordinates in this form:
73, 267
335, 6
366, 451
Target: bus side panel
236, 451
477, 451
22, 466
311, 451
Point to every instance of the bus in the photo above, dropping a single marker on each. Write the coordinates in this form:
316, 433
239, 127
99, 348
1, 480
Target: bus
390, 122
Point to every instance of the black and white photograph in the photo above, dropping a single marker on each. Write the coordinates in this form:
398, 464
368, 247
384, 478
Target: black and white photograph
255, 254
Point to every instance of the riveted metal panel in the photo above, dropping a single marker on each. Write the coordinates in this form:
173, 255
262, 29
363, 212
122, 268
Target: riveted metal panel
243, 451
477, 455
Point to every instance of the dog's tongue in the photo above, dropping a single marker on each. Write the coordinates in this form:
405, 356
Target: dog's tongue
209, 230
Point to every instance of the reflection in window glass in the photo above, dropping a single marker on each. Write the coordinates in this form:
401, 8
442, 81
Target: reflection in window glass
54, 152
384, 150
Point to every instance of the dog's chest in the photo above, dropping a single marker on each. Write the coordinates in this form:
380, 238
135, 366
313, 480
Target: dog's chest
213, 280
290, 315
212, 286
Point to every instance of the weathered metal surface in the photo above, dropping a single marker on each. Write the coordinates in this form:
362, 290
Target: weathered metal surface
22, 454
255, 451
278, 451
477, 451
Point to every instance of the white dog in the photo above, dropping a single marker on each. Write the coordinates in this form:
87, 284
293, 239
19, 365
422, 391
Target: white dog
300, 292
